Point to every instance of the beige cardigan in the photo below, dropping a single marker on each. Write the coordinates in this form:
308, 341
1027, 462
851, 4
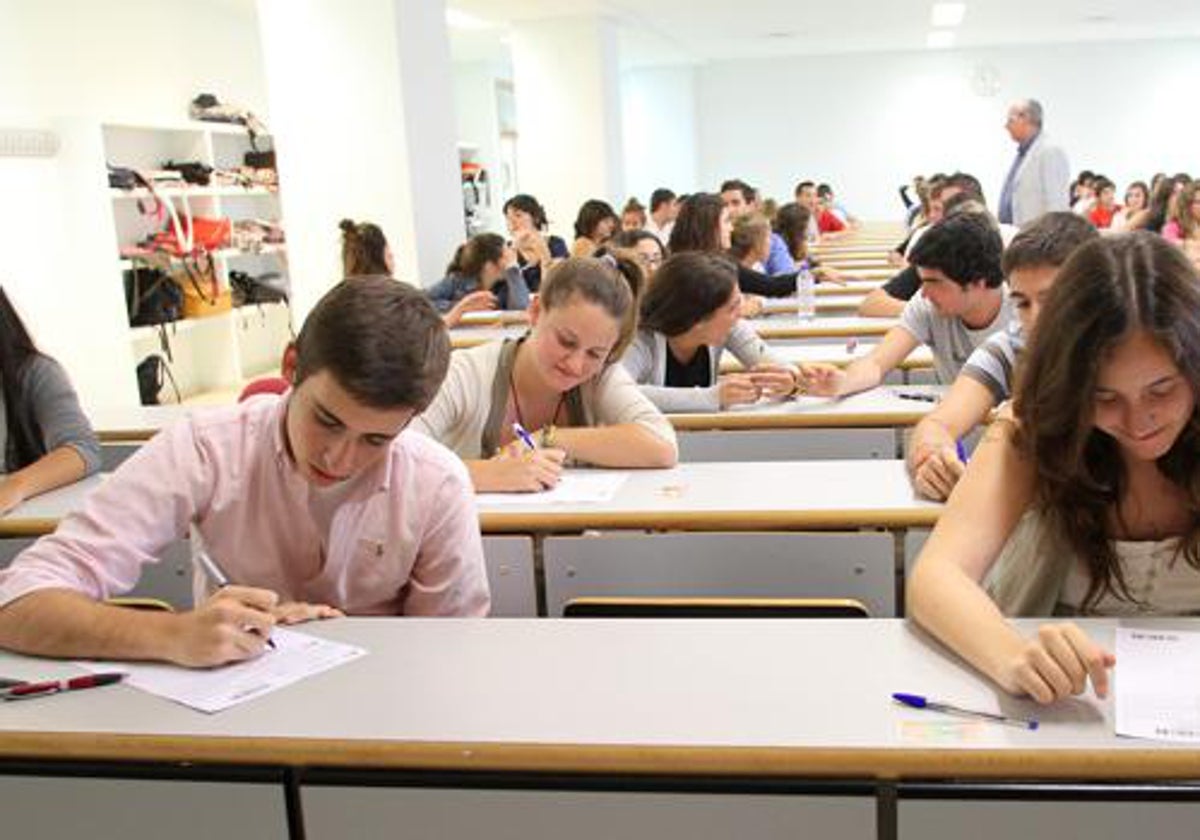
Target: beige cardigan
466, 413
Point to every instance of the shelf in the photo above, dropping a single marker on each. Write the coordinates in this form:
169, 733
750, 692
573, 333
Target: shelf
181, 327
193, 192
126, 263
185, 126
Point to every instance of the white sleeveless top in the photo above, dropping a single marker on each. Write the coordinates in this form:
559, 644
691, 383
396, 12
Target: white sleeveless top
1159, 579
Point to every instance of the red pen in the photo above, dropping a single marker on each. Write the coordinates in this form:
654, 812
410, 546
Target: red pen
25, 691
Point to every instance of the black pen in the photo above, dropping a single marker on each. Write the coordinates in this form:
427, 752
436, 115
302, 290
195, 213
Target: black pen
915, 395
217, 575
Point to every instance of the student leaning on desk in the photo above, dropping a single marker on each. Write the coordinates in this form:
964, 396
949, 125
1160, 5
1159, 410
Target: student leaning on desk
690, 316
1086, 503
560, 381
962, 302
1030, 263
316, 501
45, 439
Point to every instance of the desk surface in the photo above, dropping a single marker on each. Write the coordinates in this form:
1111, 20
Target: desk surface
835, 353
736, 496
847, 302
878, 408
773, 326
762, 698
135, 423
822, 326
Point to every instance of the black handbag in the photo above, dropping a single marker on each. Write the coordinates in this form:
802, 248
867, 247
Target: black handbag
265, 288
152, 373
151, 297
192, 171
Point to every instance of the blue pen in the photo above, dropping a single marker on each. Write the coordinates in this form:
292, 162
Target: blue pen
960, 450
525, 437
916, 701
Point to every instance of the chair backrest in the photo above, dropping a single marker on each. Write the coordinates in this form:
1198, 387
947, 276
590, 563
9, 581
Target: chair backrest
664, 607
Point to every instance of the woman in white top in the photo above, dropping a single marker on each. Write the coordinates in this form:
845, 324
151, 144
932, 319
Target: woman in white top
559, 382
1094, 486
689, 316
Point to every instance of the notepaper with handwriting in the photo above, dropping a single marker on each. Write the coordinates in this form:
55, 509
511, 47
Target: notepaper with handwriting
1157, 686
295, 656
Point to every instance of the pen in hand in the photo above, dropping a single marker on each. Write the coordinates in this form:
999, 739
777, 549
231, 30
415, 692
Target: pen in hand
917, 701
217, 575
524, 435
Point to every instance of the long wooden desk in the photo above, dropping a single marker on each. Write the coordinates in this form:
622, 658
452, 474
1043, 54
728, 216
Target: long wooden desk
458, 728
878, 408
775, 496
834, 353
773, 327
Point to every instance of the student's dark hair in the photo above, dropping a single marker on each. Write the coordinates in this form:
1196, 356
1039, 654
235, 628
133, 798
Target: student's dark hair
380, 339
965, 247
824, 190
528, 204
698, 226
16, 349
628, 239
1182, 215
475, 253
591, 213
1110, 289
748, 231
688, 288
1103, 183
612, 281
1139, 185
741, 186
1160, 203
791, 223
364, 249
659, 197
958, 202
803, 185
966, 182
634, 206
1047, 241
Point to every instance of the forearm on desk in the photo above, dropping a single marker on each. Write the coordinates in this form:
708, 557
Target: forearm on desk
54, 469
622, 445
65, 624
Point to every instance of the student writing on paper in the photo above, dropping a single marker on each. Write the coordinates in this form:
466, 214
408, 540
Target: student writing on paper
962, 302
1030, 263
1086, 502
560, 381
690, 316
45, 439
317, 502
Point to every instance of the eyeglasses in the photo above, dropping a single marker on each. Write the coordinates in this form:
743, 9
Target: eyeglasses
650, 260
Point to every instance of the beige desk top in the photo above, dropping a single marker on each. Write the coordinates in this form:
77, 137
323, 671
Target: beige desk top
878, 408
764, 698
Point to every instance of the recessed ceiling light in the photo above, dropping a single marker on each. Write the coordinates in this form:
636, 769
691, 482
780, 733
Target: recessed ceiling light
939, 39
781, 36
457, 19
948, 14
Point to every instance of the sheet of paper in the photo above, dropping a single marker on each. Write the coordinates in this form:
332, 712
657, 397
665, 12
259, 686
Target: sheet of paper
1157, 689
582, 487
296, 656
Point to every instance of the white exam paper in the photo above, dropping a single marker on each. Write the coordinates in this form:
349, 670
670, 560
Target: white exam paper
296, 656
1157, 687
573, 488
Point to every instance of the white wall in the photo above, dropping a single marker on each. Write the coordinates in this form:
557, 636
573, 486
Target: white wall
479, 126
568, 109
69, 65
659, 126
867, 123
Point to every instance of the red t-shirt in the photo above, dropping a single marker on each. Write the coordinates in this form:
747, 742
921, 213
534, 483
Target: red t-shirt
1102, 218
827, 222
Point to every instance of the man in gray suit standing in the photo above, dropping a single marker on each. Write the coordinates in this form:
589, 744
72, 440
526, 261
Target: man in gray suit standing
1038, 179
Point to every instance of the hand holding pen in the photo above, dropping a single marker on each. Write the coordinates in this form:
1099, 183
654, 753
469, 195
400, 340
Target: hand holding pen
524, 467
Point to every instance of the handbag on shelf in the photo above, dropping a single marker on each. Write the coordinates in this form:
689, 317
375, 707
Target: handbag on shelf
152, 373
197, 281
264, 288
192, 171
151, 297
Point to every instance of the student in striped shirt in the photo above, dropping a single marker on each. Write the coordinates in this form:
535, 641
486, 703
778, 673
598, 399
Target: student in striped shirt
1030, 263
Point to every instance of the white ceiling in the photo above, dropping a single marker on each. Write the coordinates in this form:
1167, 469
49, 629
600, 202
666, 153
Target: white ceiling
697, 31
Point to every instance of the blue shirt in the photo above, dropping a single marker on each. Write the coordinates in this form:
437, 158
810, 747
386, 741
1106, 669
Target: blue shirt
780, 261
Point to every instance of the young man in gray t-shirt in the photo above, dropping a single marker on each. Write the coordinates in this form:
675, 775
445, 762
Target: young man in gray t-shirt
1031, 264
962, 302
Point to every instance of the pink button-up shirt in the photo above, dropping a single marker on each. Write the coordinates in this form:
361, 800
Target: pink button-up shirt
400, 538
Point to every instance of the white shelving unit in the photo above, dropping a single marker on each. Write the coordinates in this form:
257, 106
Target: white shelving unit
211, 357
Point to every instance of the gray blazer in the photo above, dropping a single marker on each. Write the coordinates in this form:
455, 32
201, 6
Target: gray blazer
1042, 183
646, 361
48, 405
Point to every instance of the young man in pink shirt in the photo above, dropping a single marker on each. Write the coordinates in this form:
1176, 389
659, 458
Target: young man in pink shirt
313, 503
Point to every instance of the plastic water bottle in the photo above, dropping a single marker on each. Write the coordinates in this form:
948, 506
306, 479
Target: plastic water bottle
806, 293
